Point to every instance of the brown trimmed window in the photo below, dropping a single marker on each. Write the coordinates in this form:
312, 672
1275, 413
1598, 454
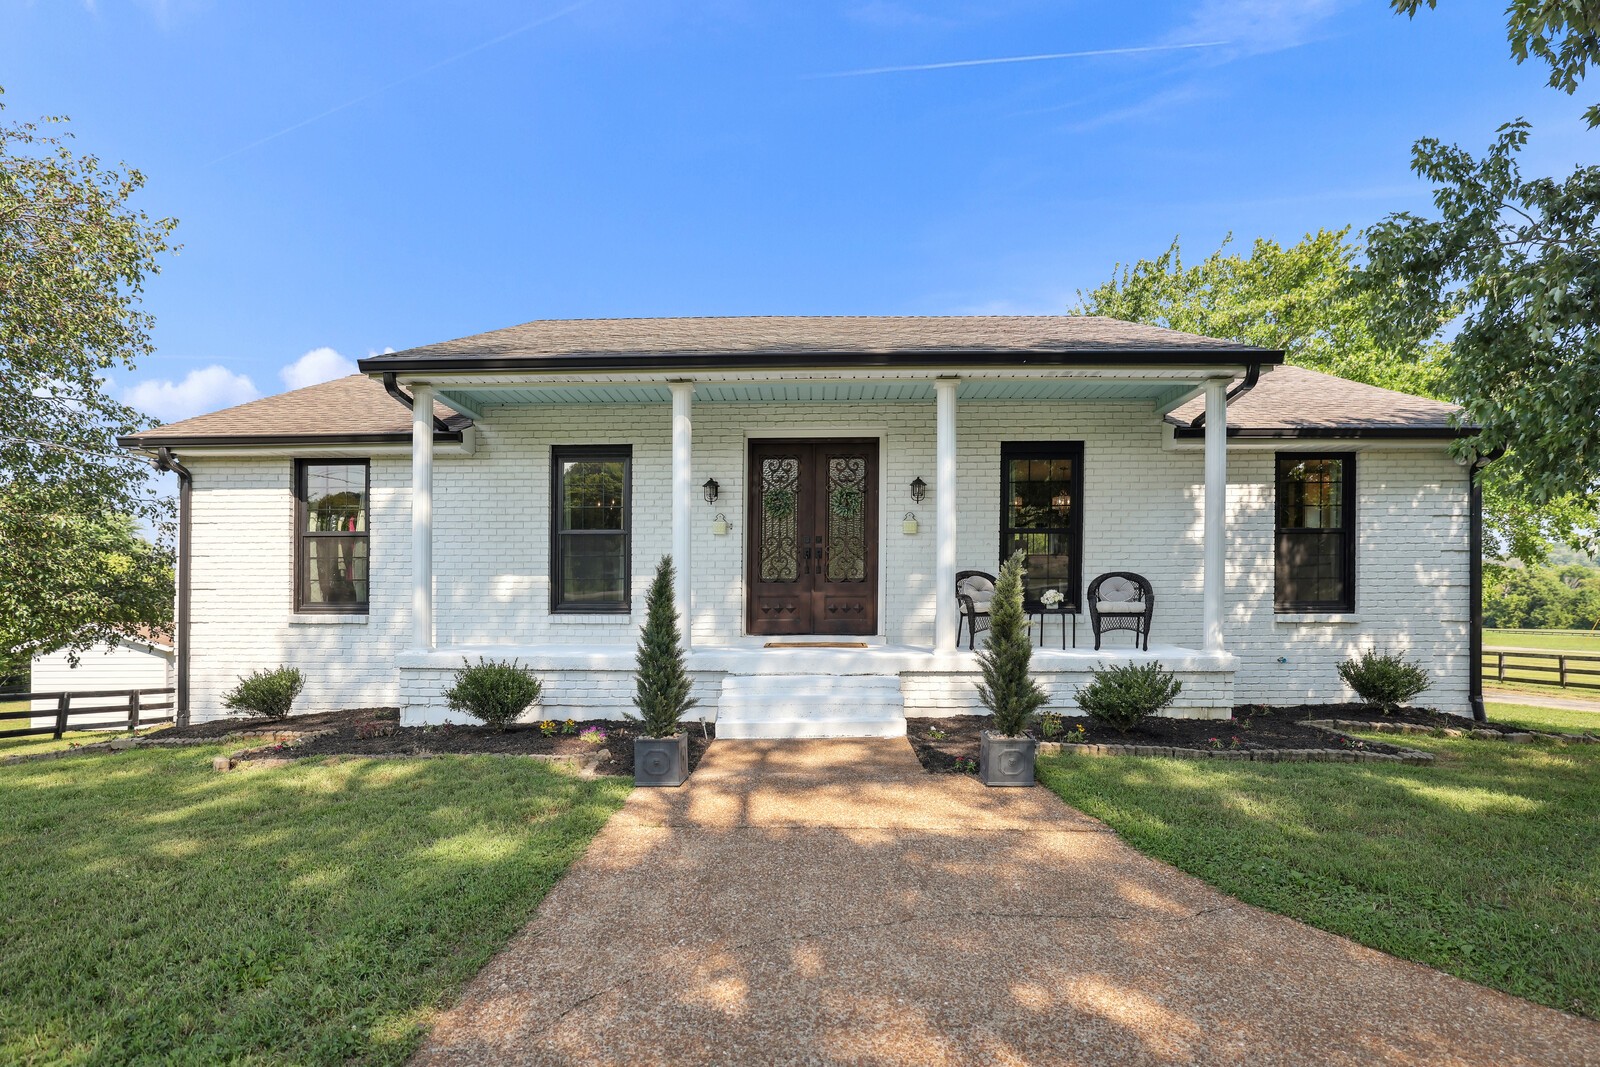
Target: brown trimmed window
590, 529
1315, 565
1041, 514
331, 560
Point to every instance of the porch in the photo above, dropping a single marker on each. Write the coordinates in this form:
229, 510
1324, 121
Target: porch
694, 453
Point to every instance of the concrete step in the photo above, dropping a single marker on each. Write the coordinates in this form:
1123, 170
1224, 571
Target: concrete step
806, 705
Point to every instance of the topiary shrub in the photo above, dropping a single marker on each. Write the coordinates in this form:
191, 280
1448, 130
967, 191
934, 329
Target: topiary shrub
1123, 695
267, 693
1008, 689
661, 678
1384, 680
494, 692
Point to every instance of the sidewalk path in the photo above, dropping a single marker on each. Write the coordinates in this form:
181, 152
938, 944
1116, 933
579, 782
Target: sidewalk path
1539, 700
826, 902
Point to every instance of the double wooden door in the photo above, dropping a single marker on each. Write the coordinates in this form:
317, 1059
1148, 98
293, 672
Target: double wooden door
812, 558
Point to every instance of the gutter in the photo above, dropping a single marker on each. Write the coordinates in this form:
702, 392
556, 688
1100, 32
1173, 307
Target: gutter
167, 462
392, 387
1252, 375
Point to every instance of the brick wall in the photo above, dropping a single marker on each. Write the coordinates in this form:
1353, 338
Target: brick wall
1142, 512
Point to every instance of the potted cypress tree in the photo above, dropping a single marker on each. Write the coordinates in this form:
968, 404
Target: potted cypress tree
1005, 753
661, 689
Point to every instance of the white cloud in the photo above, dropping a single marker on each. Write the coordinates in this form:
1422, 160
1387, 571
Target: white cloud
1257, 26
315, 367
203, 390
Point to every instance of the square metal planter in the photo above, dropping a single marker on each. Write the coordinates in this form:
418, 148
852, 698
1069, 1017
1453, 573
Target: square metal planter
1006, 761
661, 761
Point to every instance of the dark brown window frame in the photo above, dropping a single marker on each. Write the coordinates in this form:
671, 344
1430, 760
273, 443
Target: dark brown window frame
567, 453
302, 536
1073, 450
1281, 604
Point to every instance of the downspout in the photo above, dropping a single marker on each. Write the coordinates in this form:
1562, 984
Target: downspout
167, 462
392, 386
1475, 583
1252, 375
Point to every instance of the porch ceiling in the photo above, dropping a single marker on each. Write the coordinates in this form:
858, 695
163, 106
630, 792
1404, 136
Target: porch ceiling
1158, 391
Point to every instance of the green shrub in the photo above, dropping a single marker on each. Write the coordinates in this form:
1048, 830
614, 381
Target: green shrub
1008, 689
1124, 695
268, 693
494, 692
1384, 680
661, 678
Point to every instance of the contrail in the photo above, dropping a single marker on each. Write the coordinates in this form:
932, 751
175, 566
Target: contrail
353, 101
1022, 59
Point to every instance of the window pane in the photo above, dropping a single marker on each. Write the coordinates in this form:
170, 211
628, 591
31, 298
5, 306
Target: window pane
1310, 494
1038, 520
1040, 493
591, 494
336, 497
592, 568
334, 570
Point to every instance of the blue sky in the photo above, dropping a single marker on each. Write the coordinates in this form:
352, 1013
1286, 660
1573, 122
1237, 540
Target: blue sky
356, 177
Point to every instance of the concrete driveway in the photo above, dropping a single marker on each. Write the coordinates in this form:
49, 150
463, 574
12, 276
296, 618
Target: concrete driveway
826, 902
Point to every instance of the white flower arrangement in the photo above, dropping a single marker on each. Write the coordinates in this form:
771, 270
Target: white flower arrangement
1051, 598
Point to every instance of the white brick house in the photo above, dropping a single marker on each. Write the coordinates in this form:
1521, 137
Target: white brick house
1283, 518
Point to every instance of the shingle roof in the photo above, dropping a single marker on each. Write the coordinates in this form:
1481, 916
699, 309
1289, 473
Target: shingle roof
1288, 399
679, 341
357, 406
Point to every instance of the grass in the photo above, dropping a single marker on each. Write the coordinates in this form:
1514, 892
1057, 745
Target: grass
1555, 720
1486, 865
27, 746
157, 911
1550, 640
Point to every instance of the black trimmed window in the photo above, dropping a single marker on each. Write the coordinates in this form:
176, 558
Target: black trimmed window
332, 565
1315, 559
1041, 513
590, 528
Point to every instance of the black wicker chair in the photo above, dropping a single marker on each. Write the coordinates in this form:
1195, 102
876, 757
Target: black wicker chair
1122, 600
973, 595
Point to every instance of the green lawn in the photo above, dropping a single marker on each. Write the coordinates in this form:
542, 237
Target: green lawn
1554, 720
27, 746
1553, 640
1486, 865
158, 911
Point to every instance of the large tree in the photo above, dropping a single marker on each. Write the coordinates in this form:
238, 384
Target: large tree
1306, 300
74, 257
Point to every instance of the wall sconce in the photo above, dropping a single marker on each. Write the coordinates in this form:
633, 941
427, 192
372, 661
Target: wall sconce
919, 490
719, 525
709, 490
908, 525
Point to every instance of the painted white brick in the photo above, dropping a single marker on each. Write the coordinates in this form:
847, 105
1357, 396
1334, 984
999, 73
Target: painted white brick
491, 556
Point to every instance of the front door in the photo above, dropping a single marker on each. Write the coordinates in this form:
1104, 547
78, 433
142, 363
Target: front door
812, 558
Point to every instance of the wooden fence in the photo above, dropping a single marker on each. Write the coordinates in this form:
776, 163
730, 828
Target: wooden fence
132, 704
1569, 670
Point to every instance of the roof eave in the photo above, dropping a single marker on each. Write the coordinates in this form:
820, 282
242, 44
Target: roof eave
636, 361
1300, 433
277, 440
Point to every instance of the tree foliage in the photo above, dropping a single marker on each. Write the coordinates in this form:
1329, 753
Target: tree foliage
74, 257
661, 675
1008, 688
1312, 301
1563, 34
1542, 598
1518, 260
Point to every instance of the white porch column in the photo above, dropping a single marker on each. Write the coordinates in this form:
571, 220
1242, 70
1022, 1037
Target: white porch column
682, 502
422, 515
1216, 510
944, 502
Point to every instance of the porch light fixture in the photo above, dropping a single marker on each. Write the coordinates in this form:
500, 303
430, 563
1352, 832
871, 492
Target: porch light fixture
919, 490
709, 490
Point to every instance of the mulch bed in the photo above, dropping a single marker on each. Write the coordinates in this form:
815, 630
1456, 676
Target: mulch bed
236, 724
376, 732
1254, 727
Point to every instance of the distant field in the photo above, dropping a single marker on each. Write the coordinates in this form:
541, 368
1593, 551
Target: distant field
1553, 640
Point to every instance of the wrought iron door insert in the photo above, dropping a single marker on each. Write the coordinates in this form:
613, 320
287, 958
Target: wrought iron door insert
812, 557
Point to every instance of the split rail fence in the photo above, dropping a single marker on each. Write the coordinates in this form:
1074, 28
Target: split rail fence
1568, 670
134, 707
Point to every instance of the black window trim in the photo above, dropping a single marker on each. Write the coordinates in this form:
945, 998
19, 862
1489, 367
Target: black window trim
1349, 527
302, 536
1073, 450
564, 453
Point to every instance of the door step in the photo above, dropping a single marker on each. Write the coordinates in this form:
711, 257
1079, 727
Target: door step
810, 705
